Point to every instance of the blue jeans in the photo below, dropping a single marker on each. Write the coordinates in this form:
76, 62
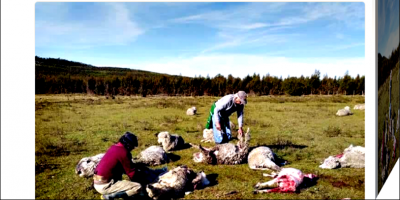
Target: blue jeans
225, 134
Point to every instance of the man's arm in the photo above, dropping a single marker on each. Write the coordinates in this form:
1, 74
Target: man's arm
240, 114
128, 166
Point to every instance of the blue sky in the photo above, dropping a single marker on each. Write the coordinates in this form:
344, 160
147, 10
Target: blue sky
195, 39
388, 26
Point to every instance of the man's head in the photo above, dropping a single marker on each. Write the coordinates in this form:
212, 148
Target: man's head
129, 141
241, 98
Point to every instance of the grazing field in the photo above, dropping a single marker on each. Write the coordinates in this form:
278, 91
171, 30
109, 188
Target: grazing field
302, 130
383, 109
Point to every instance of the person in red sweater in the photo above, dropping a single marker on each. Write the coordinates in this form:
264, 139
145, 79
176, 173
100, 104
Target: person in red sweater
117, 161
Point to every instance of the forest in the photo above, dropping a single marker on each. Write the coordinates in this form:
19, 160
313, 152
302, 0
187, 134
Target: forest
386, 64
56, 76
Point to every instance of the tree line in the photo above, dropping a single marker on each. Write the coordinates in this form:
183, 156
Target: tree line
51, 78
387, 64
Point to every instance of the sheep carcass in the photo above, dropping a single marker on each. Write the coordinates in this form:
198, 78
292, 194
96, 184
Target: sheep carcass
153, 155
176, 182
287, 180
226, 153
359, 107
353, 157
191, 111
170, 142
344, 112
208, 134
262, 158
86, 166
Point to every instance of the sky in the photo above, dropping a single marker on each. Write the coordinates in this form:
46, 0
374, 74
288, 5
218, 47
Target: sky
388, 26
206, 38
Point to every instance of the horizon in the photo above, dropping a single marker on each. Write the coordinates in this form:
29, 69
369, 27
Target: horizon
200, 39
261, 75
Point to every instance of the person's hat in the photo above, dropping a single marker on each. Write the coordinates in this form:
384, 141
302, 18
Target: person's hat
243, 97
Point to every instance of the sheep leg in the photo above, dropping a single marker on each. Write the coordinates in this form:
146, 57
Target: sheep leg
265, 169
273, 174
269, 184
259, 168
261, 191
195, 146
270, 190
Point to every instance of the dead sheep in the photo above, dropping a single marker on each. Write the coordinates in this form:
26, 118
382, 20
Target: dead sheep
152, 156
287, 180
262, 158
359, 107
227, 153
86, 166
344, 112
352, 157
208, 134
191, 111
176, 182
170, 142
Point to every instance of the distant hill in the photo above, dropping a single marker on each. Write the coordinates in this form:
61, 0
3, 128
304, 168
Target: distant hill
59, 67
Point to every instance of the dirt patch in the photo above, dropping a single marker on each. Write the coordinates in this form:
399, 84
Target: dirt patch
39, 168
339, 184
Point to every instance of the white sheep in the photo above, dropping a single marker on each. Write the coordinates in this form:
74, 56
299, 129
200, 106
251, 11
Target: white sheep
352, 157
176, 182
191, 111
359, 107
153, 155
86, 166
287, 180
226, 153
344, 112
262, 158
170, 142
208, 134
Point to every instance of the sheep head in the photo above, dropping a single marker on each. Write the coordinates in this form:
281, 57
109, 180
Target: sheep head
163, 136
86, 166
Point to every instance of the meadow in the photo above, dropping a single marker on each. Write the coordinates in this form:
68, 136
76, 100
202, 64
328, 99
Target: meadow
383, 109
302, 130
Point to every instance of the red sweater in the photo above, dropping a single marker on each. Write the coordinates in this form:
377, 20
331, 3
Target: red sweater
115, 162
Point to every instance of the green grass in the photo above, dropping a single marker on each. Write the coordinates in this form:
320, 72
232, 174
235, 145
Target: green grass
383, 109
302, 130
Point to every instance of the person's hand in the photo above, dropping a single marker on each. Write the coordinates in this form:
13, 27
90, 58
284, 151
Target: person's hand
218, 126
240, 132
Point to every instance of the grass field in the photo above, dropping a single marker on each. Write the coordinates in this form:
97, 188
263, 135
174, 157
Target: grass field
302, 130
383, 109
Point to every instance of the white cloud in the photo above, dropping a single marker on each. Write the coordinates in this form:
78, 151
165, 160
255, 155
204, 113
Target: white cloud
113, 26
346, 46
240, 65
253, 23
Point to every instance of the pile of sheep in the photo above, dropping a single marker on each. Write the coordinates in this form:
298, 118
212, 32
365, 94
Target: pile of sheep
164, 183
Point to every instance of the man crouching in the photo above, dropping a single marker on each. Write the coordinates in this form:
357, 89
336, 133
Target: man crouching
117, 161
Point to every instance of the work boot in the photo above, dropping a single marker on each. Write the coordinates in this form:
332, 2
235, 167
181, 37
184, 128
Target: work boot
114, 195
